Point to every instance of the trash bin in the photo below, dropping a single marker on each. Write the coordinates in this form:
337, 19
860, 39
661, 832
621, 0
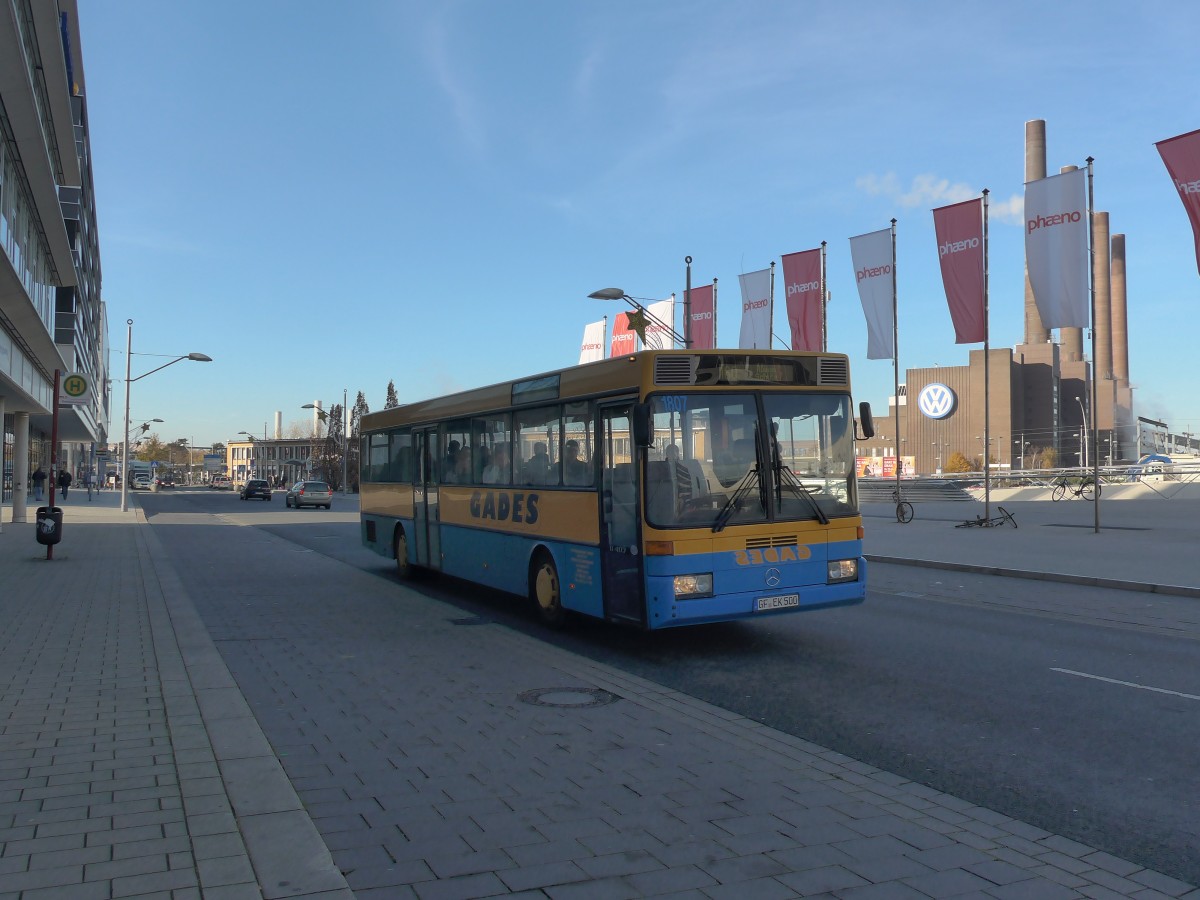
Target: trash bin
49, 524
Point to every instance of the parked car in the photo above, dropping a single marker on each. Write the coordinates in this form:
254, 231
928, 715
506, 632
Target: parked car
256, 487
140, 481
309, 493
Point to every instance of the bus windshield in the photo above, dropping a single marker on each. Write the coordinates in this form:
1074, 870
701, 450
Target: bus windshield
729, 459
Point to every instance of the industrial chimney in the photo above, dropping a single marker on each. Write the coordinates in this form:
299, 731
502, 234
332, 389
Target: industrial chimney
1035, 169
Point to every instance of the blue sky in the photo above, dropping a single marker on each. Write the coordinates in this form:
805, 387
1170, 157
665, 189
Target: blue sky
329, 196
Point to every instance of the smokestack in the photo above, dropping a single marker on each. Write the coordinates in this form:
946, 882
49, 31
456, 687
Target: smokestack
278, 424
1100, 276
1035, 169
1071, 338
1120, 327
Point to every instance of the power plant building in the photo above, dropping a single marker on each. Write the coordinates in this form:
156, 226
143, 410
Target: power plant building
1039, 392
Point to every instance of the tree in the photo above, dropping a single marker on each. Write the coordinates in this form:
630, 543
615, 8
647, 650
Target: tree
360, 409
392, 400
958, 463
327, 458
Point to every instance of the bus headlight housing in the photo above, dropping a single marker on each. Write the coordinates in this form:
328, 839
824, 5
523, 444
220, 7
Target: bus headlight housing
842, 570
693, 587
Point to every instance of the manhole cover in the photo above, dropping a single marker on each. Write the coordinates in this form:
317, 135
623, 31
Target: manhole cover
577, 698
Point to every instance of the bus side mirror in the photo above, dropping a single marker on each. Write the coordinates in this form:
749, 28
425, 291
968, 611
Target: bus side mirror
641, 424
866, 423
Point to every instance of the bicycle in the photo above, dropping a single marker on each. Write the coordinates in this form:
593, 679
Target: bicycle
981, 522
1087, 488
904, 509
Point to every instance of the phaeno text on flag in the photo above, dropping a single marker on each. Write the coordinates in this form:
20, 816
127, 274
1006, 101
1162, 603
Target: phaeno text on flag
875, 272
958, 246
1064, 218
803, 288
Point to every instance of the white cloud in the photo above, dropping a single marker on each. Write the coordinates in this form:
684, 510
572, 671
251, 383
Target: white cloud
930, 191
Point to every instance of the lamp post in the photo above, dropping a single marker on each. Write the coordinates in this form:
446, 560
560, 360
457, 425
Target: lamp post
619, 294
323, 416
1083, 453
195, 357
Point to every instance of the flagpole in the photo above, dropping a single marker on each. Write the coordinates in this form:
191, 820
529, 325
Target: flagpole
1092, 283
771, 310
987, 395
714, 314
605, 353
687, 306
896, 362
824, 304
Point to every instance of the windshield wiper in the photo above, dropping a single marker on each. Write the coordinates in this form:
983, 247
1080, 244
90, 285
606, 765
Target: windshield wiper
783, 473
749, 481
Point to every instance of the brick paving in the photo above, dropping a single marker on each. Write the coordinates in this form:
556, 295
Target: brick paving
133, 764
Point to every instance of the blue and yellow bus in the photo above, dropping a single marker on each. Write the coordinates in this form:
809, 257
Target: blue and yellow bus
659, 489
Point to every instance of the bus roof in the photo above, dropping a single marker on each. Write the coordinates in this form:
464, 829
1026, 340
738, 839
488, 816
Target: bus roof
636, 374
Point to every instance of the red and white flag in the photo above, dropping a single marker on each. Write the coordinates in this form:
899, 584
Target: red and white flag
704, 317
1181, 155
802, 277
1056, 248
592, 347
959, 230
756, 310
875, 273
624, 338
661, 336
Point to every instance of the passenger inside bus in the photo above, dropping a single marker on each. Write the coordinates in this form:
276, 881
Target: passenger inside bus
575, 470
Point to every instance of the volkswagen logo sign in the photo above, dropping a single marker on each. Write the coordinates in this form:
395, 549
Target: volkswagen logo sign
772, 577
936, 400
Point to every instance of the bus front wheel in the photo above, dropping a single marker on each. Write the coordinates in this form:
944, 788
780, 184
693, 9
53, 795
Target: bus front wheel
545, 590
400, 545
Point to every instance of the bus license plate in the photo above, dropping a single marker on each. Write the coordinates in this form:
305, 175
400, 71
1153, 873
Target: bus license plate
783, 601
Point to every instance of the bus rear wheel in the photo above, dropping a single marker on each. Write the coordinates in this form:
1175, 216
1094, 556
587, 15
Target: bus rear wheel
400, 545
545, 590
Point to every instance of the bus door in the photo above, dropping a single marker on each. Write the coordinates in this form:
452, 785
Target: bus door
620, 517
426, 546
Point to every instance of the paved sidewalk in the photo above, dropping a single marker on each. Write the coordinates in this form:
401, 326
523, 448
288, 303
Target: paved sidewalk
1145, 545
130, 764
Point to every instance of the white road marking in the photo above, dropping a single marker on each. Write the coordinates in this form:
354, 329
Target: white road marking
1132, 684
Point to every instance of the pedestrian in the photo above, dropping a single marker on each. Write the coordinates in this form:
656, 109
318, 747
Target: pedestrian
88, 481
39, 480
64, 482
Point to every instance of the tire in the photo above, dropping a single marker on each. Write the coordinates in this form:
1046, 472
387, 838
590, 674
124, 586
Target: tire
904, 511
545, 590
1089, 490
404, 568
1060, 491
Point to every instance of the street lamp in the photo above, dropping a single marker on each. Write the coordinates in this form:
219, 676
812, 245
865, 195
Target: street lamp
619, 294
324, 416
1083, 428
195, 357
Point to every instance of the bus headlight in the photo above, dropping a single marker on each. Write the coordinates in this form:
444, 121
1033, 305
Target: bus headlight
843, 570
693, 587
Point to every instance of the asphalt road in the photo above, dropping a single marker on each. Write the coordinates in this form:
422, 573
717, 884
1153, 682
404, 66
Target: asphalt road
1074, 709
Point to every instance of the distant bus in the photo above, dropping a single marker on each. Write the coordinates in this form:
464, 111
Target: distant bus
659, 489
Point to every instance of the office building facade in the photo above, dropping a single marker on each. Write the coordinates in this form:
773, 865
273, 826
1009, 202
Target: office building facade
52, 316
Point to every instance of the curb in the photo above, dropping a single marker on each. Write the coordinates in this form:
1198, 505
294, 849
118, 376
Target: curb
282, 845
1116, 584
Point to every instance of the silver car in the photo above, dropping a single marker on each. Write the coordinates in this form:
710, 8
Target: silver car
309, 493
